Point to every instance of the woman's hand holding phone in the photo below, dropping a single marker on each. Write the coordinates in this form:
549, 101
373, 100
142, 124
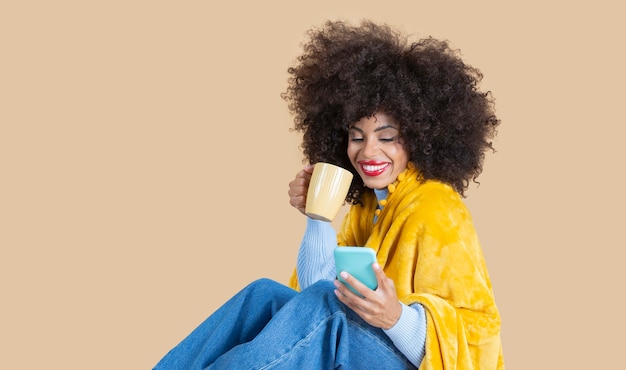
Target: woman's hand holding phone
378, 306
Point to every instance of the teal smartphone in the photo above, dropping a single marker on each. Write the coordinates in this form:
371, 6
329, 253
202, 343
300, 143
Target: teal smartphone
356, 261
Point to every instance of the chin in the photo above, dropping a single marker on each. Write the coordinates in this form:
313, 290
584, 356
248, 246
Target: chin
375, 185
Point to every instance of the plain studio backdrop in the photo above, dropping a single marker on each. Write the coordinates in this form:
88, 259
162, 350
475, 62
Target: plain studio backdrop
145, 156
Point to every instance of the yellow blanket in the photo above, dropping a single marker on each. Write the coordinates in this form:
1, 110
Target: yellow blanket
425, 241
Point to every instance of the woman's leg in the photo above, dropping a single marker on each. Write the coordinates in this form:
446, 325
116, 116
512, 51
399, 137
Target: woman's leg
314, 330
238, 321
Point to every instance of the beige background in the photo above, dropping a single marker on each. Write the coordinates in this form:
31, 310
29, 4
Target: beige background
145, 154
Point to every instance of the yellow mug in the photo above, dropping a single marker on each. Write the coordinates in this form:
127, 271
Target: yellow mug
327, 191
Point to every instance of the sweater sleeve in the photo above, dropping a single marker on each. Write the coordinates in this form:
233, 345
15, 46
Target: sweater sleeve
315, 257
409, 333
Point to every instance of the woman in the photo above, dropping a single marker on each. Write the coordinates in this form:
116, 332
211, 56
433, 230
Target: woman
409, 121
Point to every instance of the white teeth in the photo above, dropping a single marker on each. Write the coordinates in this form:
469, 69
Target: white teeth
370, 168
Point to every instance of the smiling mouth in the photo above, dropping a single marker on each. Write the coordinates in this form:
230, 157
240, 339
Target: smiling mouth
373, 168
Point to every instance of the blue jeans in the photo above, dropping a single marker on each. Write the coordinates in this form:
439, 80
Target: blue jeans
270, 326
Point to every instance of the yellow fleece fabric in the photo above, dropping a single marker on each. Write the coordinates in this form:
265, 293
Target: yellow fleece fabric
425, 241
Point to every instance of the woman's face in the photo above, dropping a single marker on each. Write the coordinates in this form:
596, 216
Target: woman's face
376, 151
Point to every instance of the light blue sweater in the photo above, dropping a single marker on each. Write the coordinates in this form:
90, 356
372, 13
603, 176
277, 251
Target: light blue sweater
316, 262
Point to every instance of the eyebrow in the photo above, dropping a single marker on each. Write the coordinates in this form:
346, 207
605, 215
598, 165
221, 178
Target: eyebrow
377, 129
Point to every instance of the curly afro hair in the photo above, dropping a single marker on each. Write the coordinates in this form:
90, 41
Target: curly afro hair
350, 72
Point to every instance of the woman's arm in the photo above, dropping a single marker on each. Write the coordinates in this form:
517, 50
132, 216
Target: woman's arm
315, 257
409, 333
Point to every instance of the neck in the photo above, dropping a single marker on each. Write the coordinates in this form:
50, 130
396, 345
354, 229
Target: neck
381, 194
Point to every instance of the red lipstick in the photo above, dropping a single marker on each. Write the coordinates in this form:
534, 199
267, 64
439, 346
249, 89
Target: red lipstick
373, 168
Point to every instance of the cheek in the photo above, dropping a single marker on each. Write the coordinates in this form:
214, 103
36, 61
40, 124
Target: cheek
399, 157
400, 152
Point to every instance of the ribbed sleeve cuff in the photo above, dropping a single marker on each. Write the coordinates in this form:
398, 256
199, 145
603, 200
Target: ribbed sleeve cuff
409, 333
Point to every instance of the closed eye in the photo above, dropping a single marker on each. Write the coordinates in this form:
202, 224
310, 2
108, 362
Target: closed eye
388, 140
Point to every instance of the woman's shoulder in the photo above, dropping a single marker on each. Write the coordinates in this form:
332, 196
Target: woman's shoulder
434, 192
431, 198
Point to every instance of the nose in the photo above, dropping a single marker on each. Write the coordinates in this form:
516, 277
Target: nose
370, 148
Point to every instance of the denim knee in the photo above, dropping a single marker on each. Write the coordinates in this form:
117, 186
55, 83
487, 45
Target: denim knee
322, 287
322, 291
265, 290
264, 283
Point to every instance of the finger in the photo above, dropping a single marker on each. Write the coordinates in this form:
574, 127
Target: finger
295, 189
300, 184
356, 284
340, 290
298, 202
304, 177
308, 168
381, 277
385, 285
349, 298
